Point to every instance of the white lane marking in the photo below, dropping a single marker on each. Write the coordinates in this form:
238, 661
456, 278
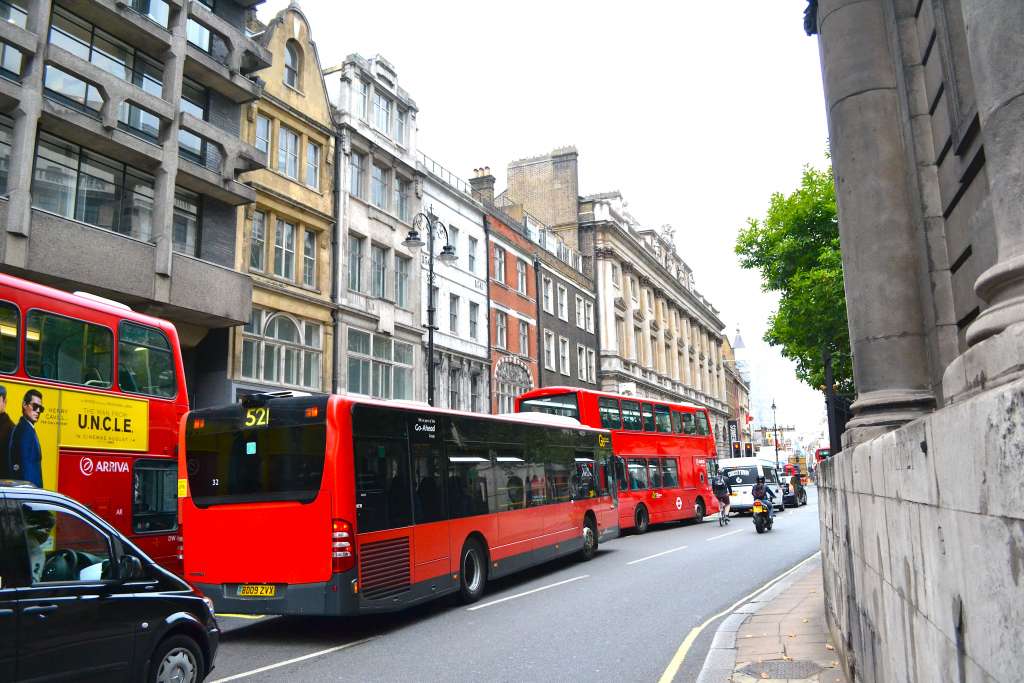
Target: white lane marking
664, 552
738, 531
519, 595
292, 661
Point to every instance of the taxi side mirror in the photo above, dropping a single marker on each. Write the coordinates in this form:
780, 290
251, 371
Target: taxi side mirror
129, 567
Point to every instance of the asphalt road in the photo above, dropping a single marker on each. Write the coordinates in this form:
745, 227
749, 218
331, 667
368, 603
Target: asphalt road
621, 616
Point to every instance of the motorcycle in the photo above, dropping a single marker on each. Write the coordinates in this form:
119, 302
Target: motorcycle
762, 516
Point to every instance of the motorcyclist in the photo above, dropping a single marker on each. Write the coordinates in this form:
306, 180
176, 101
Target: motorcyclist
762, 492
722, 489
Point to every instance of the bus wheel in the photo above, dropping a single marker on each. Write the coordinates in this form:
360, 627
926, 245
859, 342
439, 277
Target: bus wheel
643, 519
589, 540
472, 572
699, 511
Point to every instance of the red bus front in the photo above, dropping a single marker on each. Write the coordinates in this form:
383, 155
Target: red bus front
667, 448
112, 390
326, 505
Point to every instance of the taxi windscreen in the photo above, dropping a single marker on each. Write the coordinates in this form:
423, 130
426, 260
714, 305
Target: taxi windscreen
257, 453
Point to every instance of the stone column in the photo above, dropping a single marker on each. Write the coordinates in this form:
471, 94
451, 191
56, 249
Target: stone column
674, 368
994, 30
628, 332
662, 361
684, 334
876, 221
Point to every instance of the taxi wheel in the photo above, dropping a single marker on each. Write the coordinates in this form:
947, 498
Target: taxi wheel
177, 659
643, 519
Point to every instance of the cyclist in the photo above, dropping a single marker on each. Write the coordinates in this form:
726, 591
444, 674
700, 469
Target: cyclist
721, 488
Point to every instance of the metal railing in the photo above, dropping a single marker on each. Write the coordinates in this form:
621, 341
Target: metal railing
445, 175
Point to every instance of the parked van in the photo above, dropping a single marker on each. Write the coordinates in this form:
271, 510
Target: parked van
742, 474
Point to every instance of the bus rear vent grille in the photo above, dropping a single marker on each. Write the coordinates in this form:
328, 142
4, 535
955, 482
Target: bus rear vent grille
384, 568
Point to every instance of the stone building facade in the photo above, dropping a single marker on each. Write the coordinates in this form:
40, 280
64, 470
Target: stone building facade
462, 365
139, 103
658, 337
921, 541
737, 391
284, 238
379, 333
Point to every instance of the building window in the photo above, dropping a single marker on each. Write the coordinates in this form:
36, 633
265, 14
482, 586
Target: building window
292, 63
475, 393
195, 100
581, 362
402, 268
258, 243
637, 341
401, 128
284, 250
580, 321
355, 263
634, 289
549, 350
500, 329
263, 134
471, 254
591, 366
590, 316
524, 338
563, 303
549, 305
453, 313
378, 270
185, 227
313, 165
563, 356
453, 240
362, 99
11, 61
474, 314
279, 349
379, 366
355, 174
499, 264
512, 380
382, 113
401, 198
309, 258
288, 152
379, 187
454, 382
521, 276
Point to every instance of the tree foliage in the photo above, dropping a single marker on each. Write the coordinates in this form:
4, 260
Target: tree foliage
796, 249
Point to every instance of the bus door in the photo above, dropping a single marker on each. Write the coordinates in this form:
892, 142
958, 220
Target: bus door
430, 509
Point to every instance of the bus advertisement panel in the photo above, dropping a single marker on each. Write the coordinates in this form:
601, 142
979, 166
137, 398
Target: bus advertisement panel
333, 505
94, 394
667, 448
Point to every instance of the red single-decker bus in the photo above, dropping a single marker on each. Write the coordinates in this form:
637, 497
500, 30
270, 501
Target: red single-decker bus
668, 449
108, 390
337, 505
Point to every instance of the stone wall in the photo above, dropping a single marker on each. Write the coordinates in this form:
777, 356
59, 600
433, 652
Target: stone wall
923, 545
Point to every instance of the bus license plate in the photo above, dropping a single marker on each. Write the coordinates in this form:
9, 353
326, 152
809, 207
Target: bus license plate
256, 590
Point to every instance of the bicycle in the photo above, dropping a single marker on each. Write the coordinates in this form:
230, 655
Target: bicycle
723, 519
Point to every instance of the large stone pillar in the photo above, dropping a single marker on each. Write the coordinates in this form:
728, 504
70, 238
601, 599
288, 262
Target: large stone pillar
995, 40
876, 220
628, 331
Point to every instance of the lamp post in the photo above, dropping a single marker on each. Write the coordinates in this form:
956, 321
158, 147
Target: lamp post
447, 255
775, 420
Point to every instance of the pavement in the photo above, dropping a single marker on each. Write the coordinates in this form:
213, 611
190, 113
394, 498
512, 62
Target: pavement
778, 636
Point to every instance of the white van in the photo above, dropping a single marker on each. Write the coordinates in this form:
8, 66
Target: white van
742, 474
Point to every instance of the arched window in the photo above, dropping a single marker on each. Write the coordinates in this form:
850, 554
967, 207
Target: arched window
512, 380
292, 62
281, 350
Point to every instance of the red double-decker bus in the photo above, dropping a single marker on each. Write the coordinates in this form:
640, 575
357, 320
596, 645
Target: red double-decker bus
333, 505
668, 449
105, 389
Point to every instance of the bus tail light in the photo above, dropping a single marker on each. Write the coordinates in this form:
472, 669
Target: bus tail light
342, 550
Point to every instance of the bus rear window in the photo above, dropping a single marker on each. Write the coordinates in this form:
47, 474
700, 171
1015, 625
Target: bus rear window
275, 463
565, 405
740, 476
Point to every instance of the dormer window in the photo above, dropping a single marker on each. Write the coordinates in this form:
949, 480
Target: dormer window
292, 61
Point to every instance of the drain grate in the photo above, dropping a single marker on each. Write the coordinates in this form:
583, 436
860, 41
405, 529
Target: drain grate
778, 668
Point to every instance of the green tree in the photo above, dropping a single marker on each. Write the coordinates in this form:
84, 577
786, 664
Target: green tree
796, 249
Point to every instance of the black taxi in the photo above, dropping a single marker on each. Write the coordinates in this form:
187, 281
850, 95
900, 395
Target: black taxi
80, 602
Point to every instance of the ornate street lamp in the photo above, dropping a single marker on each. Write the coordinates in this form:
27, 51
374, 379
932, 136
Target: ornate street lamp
431, 224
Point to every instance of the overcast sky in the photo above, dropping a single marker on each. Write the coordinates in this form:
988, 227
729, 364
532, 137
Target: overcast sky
697, 111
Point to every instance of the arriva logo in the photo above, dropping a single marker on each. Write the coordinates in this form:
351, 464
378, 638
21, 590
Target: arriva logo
88, 466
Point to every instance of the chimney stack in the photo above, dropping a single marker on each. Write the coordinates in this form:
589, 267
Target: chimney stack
482, 184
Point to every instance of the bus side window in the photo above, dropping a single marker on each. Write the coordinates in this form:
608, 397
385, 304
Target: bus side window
637, 474
585, 475
689, 424
677, 422
648, 411
669, 473
654, 470
9, 337
470, 481
662, 419
68, 350
428, 480
611, 417
631, 416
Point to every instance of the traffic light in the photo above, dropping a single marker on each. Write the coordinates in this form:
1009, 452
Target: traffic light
736, 449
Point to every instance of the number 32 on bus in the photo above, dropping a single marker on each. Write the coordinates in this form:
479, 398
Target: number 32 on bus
330, 505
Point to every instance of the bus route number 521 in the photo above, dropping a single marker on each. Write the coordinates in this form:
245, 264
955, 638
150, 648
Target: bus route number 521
257, 417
